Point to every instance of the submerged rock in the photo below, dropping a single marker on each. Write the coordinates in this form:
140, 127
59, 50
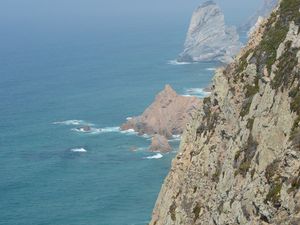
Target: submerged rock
160, 144
166, 116
208, 38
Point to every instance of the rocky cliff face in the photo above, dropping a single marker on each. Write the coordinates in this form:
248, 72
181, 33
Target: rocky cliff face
166, 116
208, 38
239, 160
263, 12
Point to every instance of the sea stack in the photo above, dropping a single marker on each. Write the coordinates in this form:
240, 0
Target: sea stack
166, 116
160, 144
209, 38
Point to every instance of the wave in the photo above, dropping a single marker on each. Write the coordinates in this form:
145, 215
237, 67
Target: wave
137, 149
211, 69
73, 122
129, 132
175, 138
156, 156
176, 63
198, 92
80, 150
93, 130
109, 129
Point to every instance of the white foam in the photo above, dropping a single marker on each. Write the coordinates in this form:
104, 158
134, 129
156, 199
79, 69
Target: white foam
198, 92
176, 63
109, 129
147, 136
156, 156
73, 122
93, 130
129, 132
175, 138
211, 69
81, 150
129, 118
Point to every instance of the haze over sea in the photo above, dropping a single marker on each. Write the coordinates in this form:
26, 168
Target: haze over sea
54, 81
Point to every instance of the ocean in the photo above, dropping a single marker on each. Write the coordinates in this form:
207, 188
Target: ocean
51, 174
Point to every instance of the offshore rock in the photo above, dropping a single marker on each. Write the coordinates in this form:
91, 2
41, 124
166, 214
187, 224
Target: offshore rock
160, 144
208, 38
166, 116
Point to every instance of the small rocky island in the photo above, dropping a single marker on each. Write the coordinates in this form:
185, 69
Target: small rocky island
209, 38
165, 117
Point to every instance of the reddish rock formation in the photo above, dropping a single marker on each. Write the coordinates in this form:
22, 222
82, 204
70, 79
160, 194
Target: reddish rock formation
160, 144
166, 116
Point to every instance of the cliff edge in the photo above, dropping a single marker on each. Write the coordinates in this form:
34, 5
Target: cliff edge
239, 159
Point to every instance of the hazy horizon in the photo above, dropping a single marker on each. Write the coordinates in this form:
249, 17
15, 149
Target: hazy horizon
37, 14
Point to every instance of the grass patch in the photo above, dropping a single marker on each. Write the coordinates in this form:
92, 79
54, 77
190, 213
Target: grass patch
273, 195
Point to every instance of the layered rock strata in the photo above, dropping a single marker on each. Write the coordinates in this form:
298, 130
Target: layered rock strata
208, 37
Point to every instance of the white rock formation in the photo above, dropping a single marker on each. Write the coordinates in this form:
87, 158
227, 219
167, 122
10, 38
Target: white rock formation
208, 37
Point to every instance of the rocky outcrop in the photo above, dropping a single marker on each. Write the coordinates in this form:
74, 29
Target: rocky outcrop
239, 160
263, 12
160, 144
208, 38
166, 116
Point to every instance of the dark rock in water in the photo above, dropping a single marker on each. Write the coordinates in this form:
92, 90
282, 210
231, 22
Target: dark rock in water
160, 144
208, 37
166, 116
84, 129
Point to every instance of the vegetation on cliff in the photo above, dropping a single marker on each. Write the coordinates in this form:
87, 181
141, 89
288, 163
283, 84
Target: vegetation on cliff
241, 153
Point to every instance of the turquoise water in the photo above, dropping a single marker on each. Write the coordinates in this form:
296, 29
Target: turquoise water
101, 77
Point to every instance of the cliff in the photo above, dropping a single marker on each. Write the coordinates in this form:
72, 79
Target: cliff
263, 12
239, 159
208, 37
166, 116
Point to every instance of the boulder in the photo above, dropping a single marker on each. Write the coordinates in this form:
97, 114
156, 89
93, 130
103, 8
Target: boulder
160, 144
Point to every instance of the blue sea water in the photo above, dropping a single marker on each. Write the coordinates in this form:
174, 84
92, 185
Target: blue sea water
100, 77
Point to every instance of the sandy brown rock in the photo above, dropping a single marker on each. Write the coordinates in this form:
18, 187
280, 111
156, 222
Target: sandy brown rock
167, 115
160, 144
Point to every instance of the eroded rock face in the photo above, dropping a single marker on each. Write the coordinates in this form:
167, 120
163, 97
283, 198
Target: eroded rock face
160, 144
208, 38
166, 116
239, 160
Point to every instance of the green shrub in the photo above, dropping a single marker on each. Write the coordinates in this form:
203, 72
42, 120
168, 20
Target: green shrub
250, 123
196, 211
284, 73
172, 211
273, 195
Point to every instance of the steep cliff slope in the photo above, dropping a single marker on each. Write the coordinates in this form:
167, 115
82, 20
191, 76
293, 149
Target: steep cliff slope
239, 160
208, 37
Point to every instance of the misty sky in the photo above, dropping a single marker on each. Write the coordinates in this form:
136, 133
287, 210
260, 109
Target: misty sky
40, 13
